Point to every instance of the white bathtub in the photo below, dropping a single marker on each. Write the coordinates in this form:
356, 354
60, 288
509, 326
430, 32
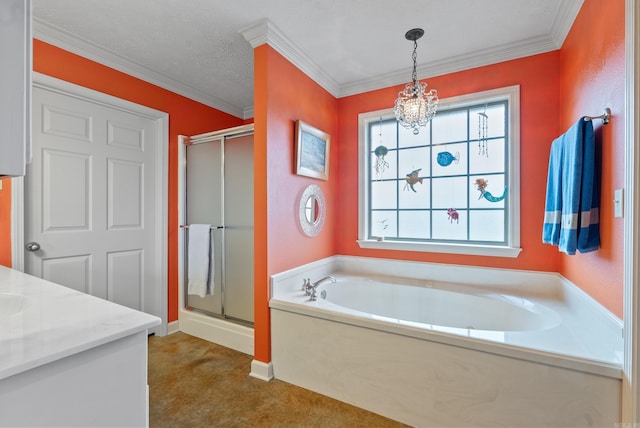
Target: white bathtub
411, 341
440, 307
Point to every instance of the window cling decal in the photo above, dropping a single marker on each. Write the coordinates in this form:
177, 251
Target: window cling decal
481, 185
380, 152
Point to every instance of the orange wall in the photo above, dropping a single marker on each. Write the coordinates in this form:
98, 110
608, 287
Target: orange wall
186, 117
5, 222
282, 95
586, 75
592, 66
538, 77
556, 88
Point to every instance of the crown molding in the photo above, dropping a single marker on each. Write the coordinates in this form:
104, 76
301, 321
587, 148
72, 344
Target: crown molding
481, 58
64, 40
264, 31
566, 16
248, 112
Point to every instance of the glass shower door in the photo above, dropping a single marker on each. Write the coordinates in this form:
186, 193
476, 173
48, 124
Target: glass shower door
204, 193
219, 191
238, 217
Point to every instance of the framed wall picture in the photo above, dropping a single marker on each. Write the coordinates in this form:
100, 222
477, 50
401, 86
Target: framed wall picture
312, 151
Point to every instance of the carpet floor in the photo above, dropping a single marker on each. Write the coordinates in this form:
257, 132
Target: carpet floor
195, 383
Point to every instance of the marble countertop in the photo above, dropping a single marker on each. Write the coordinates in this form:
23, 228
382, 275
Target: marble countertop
41, 322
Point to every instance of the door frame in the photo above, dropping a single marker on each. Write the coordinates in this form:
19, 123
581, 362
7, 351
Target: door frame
160, 303
631, 301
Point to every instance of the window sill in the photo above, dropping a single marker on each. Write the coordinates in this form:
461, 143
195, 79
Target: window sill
475, 250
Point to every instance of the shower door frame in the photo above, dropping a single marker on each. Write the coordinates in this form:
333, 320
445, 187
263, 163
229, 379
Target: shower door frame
221, 135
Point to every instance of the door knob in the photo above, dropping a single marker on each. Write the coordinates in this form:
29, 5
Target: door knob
32, 246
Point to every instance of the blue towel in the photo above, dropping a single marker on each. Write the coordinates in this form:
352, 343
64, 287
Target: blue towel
589, 231
571, 218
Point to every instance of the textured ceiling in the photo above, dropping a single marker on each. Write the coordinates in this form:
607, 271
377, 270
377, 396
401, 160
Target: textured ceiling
196, 48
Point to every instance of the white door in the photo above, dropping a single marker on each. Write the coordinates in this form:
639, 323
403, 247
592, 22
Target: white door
90, 200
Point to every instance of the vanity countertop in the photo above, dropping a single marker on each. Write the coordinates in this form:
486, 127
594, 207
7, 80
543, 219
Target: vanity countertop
41, 322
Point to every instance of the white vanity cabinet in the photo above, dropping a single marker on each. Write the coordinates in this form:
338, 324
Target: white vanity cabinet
15, 86
69, 359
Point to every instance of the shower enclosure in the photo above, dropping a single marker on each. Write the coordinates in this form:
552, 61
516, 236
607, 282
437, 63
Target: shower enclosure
218, 190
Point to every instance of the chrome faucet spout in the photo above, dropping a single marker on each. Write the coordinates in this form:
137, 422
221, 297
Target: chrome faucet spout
313, 288
322, 280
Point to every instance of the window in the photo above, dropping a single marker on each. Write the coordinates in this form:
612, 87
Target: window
452, 188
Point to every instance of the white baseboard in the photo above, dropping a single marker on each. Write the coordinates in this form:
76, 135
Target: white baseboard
262, 371
218, 331
173, 327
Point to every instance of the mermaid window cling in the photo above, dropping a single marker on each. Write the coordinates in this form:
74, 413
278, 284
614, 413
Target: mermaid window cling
481, 185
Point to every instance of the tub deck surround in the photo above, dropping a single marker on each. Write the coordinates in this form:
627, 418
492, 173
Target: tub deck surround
45, 322
562, 370
568, 328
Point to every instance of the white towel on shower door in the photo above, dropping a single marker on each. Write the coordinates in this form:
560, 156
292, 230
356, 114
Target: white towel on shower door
200, 260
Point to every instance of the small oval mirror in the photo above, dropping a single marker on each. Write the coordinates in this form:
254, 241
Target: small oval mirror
312, 210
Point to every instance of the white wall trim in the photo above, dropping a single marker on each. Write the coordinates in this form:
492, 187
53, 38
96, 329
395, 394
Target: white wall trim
451, 65
69, 42
161, 177
262, 371
264, 31
17, 223
631, 375
567, 13
173, 327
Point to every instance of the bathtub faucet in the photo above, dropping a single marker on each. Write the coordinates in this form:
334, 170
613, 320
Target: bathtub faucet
312, 288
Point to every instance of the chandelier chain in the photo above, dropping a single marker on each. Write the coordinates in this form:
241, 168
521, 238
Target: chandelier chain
414, 56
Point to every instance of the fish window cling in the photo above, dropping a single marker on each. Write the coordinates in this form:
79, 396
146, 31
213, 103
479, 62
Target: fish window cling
413, 178
446, 158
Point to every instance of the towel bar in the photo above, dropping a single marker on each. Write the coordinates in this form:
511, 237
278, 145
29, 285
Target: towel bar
606, 116
186, 226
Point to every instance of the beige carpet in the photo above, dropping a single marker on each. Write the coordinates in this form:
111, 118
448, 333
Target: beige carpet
195, 383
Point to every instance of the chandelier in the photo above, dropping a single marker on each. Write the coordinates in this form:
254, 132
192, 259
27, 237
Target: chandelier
415, 107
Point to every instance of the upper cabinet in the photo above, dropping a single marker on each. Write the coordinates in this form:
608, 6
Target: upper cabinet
15, 86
